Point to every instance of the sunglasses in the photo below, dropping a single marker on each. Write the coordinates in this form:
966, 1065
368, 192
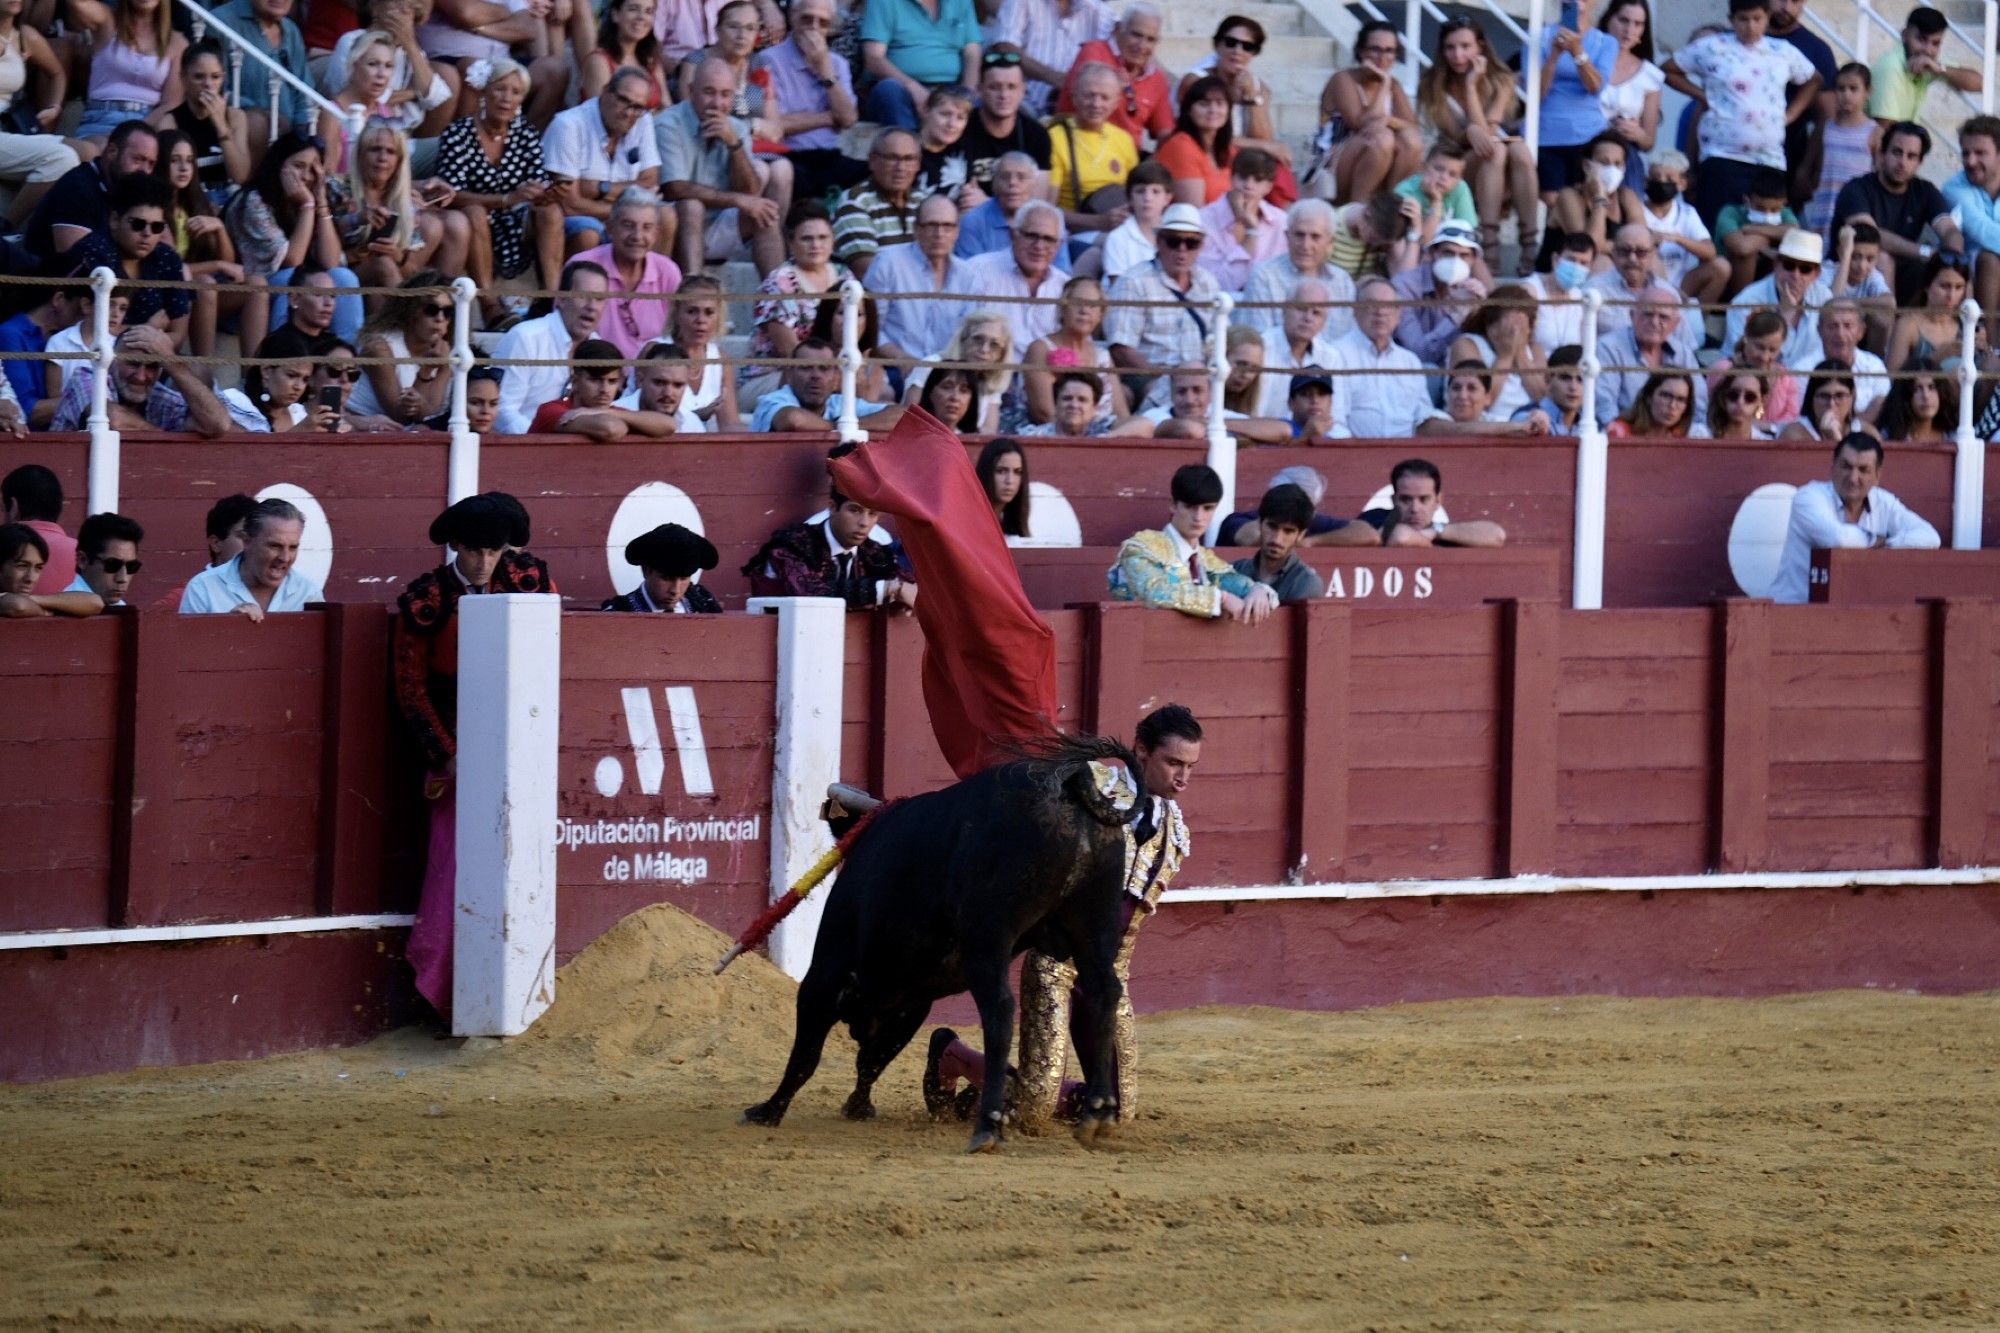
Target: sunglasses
145, 228
1240, 44
1745, 396
1173, 242
1002, 58
438, 311
349, 373
111, 564
1797, 266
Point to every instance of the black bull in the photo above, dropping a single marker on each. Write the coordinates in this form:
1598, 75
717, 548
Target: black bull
940, 893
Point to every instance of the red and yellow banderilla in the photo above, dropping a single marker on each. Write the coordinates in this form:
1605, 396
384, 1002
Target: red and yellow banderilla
757, 931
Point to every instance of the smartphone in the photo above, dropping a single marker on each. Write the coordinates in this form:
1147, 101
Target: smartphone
1568, 17
329, 398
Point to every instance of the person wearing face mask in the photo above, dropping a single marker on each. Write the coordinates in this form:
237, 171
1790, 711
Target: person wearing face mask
1751, 231
1600, 202
1439, 294
1687, 252
1559, 294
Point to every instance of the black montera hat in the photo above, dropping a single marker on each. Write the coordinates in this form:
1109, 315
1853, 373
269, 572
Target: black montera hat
671, 551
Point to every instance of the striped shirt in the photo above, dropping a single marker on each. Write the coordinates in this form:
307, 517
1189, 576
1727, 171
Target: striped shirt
866, 222
1049, 36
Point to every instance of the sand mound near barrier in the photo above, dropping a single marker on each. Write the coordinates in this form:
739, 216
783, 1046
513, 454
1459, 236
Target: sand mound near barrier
645, 993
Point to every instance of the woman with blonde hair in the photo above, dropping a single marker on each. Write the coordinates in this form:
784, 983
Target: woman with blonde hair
1243, 387
370, 86
493, 162
1469, 97
414, 323
388, 232
1073, 346
985, 337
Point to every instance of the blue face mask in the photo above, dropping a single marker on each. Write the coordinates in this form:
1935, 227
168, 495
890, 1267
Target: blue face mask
1570, 275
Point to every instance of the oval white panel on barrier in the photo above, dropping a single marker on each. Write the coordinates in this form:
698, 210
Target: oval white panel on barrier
646, 508
1051, 518
1386, 499
1757, 537
316, 545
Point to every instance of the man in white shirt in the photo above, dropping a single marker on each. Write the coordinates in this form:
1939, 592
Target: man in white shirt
1301, 341
1026, 268
594, 151
551, 338
262, 578
1391, 402
1184, 416
919, 328
1841, 326
662, 378
1308, 242
1850, 510
1795, 287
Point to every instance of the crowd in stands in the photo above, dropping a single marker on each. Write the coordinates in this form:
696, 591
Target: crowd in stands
1042, 215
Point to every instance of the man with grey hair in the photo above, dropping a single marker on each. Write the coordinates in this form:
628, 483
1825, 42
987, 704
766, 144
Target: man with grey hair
1025, 268
814, 88
138, 399
633, 260
883, 212
1145, 99
262, 577
1308, 242
724, 196
987, 229
1631, 355
917, 327
595, 152
1051, 33
1301, 341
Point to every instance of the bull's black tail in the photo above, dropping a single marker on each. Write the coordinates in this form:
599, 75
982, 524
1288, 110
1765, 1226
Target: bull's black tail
1060, 766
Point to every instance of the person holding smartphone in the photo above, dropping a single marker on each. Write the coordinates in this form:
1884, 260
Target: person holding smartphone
1575, 61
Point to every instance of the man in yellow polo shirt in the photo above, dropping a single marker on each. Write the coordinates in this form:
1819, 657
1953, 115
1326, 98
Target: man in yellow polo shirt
1087, 152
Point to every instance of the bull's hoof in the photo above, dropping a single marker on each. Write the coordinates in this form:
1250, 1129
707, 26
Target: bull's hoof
984, 1140
1097, 1123
763, 1113
858, 1107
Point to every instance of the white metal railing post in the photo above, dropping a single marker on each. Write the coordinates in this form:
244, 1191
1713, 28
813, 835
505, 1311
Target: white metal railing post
1861, 8
1413, 45
1989, 34
277, 120
237, 42
1531, 124
1593, 465
235, 76
462, 471
1221, 444
1968, 473
850, 362
104, 462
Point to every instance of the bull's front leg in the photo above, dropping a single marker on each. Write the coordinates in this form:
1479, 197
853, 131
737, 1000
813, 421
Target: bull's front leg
1094, 1022
986, 977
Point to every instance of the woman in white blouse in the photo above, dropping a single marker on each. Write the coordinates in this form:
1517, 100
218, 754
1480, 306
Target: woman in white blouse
1631, 95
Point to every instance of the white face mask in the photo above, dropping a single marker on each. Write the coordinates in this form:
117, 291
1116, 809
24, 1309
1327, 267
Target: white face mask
1450, 270
1607, 176
1763, 219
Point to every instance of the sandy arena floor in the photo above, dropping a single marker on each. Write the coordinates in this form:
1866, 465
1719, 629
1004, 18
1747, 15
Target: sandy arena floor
1821, 1161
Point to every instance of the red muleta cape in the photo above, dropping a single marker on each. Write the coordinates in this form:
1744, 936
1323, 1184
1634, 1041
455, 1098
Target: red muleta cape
989, 660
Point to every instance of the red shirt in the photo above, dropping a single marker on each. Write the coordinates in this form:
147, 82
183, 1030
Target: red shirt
1144, 104
548, 415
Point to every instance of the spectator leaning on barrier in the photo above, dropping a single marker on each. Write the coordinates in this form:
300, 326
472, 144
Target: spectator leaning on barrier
809, 399
1184, 416
663, 376
1283, 516
1852, 509
223, 530
1414, 517
138, 398
1563, 405
32, 496
837, 556
1170, 569
1309, 408
264, 576
1379, 389
670, 558
590, 407
551, 338
107, 557
23, 559
1631, 356
1026, 269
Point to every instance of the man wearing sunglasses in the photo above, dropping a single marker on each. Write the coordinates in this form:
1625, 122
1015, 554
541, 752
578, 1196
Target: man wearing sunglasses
107, 557
1796, 288
137, 247
1903, 207
1175, 330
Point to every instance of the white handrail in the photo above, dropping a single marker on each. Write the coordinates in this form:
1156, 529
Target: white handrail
1413, 44
462, 466
850, 363
1859, 52
1986, 52
356, 117
1968, 474
1531, 67
1221, 444
104, 460
1593, 467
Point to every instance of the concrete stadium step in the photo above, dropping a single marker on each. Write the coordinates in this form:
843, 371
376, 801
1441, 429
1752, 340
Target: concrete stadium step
1201, 20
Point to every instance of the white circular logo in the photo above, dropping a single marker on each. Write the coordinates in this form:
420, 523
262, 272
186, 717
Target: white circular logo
646, 508
316, 545
1051, 519
1757, 537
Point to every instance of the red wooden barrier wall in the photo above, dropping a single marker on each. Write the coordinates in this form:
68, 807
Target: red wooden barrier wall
1671, 503
1884, 577
1066, 575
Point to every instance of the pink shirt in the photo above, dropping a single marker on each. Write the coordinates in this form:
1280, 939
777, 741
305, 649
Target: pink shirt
60, 572
1224, 256
630, 325
685, 25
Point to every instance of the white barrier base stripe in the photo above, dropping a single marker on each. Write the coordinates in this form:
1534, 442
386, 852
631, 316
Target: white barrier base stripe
205, 930
1540, 884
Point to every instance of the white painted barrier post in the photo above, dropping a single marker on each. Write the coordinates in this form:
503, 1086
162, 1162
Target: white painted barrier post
104, 447
1968, 473
504, 931
1593, 465
805, 759
1531, 68
1221, 444
462, 469
850, 362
